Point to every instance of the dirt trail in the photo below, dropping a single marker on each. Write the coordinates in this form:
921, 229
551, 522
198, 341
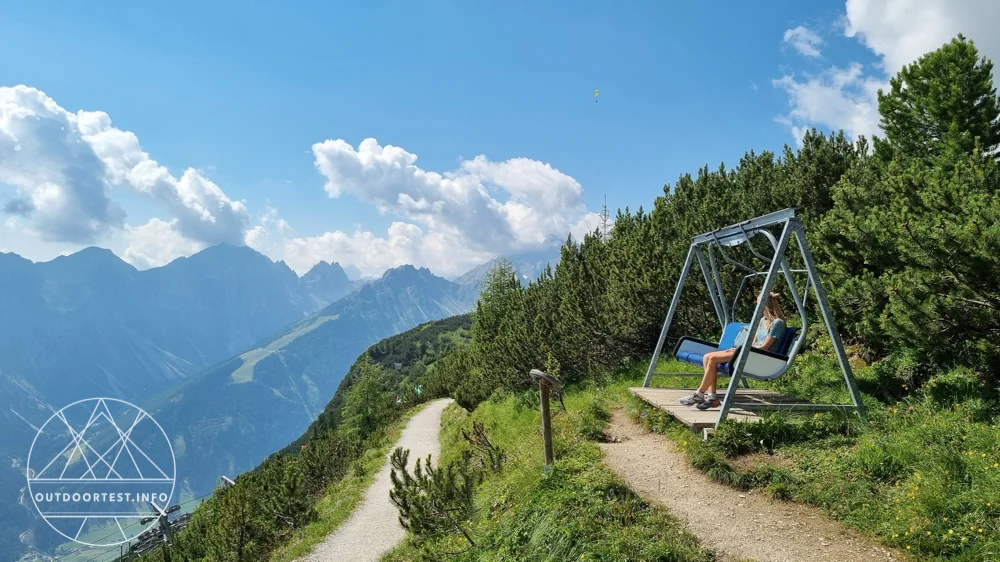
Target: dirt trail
737, 525
373, 529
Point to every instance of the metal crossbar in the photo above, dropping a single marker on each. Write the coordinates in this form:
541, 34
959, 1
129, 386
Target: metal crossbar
734, 231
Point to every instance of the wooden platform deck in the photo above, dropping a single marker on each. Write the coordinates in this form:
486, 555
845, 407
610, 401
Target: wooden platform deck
666, 399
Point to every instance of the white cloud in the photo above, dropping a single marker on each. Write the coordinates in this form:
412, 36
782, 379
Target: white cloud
156, 243
369, 253
65, 168
203, 211
837, 98
898, 32
804, 40
268, 235
458, 218
372, 254
63, 165
58, 179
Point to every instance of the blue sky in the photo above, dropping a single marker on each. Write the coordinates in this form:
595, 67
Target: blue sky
242, 93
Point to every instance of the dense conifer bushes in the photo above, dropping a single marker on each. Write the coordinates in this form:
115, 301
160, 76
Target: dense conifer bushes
907, 236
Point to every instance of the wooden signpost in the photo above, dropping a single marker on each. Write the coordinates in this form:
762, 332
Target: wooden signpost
546, 385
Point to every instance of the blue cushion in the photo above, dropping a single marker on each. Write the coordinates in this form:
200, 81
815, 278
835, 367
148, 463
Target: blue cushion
729, 334
691, 357
782, 346
728, 340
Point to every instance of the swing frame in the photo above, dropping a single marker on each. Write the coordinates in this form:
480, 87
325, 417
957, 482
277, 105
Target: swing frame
742, 233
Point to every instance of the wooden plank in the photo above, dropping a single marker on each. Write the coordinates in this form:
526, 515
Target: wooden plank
667, 400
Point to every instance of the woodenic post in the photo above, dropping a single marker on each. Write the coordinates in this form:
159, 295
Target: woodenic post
546, 423
546, 384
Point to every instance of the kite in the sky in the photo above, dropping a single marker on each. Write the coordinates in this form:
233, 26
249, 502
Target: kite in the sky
596, 94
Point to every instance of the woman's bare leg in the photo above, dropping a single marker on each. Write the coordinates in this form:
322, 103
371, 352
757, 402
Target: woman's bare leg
711, 362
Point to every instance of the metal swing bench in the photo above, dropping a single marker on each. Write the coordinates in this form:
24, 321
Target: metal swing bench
749, 363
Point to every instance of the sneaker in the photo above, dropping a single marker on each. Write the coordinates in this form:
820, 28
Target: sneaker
710, 401
691, 400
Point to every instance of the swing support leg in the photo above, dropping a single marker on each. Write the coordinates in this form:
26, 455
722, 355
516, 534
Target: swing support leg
670, 316
744, 352
714, 288
831, 326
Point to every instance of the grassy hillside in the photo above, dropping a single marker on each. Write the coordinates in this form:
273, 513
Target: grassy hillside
414, 352
922, 473
578, 511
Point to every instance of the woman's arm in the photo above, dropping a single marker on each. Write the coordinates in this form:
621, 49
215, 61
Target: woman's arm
769, 341
778, 327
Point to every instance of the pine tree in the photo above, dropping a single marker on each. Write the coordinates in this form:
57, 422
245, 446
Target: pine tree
942, 105
293, 507
434, 501
501, 328
367, 405
239, 525
908, 238
945, 303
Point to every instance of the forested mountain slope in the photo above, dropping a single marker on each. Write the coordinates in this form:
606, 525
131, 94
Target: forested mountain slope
230, 417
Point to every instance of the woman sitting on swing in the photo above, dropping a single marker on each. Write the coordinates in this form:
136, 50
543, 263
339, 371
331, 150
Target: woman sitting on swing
769, 331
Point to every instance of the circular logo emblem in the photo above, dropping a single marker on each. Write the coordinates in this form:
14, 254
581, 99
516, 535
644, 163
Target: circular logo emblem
98, 467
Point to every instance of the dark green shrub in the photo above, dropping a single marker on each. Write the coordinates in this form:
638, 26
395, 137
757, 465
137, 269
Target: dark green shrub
955, 386
434, 501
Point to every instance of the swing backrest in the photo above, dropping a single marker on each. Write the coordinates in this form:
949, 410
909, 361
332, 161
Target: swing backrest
761, 365
784, 344
769, 364
730, 333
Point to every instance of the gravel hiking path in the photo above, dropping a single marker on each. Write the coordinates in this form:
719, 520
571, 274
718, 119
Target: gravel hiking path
738, 525
373, 529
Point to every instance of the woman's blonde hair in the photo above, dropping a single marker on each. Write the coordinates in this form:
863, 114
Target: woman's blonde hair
773, 309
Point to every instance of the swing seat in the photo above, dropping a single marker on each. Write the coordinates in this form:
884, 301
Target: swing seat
761, 364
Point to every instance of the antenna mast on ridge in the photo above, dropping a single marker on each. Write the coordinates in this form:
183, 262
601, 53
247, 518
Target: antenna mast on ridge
604, 219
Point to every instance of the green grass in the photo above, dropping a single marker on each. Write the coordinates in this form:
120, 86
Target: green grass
921, 473
578, 511
244, 373
343, 496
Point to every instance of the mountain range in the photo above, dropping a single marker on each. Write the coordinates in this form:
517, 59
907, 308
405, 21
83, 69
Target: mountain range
232, 353
528, 266
228, 418
90, 324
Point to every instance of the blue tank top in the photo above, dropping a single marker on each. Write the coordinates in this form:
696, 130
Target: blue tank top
776, 329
